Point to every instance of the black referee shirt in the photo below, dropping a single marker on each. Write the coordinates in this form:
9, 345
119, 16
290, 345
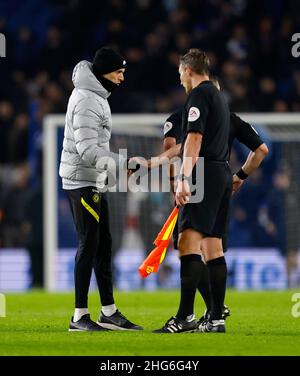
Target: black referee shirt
172, 126
207, 112
243, 132
239, 129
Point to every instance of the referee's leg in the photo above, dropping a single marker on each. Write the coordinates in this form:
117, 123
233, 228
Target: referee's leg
189, 244
212, 249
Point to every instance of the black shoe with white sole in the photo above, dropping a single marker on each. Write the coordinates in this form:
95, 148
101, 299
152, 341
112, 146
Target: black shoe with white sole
85, 324
203, 318
175, 325
225, 314
117, 321
213, 326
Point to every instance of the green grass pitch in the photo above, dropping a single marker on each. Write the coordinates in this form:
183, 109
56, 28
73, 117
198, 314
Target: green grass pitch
261, 324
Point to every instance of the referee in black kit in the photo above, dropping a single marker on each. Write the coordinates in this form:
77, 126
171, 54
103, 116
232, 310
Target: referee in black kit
244, 133
205, 128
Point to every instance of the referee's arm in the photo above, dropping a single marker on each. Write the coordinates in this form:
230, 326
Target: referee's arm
255, 158
191, 152
172, 136
253, 161
159, 160
197, 109
248, 136
169, 142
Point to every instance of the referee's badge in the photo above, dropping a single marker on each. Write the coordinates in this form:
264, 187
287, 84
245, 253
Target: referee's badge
168, 126
194, 114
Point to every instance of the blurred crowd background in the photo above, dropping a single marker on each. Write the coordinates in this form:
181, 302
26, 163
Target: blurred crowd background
249, 45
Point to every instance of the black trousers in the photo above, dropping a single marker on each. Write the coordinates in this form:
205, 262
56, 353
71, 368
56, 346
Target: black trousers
91, 217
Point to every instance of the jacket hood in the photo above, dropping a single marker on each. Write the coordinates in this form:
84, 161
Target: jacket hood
84, 78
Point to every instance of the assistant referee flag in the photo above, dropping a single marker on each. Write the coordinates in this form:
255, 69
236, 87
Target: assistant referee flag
156, 257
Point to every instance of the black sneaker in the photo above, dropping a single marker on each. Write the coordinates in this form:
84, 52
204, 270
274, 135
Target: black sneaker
216, 326
175, 325
85, 324
117, 321
205, 317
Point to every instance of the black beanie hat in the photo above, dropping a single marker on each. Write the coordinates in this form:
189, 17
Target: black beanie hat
107, 60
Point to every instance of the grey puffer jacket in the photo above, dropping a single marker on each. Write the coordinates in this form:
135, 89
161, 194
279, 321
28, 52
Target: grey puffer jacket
87, 131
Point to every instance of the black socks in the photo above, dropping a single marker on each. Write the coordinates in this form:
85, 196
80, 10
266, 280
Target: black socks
190, 270
210, 279
217, 273
203, 285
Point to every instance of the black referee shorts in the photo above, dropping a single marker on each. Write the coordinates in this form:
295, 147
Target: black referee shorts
210, 216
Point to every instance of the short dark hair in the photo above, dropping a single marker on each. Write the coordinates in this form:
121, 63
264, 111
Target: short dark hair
197, 60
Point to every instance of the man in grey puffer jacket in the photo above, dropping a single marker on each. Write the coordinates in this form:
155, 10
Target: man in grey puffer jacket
83, 170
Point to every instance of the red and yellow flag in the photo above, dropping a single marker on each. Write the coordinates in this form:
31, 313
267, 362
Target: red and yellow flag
156, 257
